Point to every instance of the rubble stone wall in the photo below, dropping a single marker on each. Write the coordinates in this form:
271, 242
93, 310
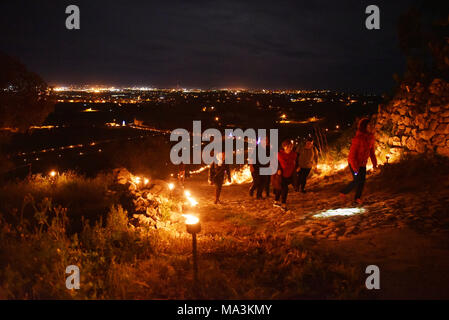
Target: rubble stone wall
416, 120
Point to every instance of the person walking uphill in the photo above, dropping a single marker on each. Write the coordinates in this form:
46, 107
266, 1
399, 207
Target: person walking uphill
287, 165
217, 175
362, 148
260, 182
307, 159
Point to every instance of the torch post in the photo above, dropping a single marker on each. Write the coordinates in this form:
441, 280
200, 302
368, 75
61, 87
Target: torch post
195, 261
193, 226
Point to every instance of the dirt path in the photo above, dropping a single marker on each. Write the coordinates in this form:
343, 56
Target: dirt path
405, 234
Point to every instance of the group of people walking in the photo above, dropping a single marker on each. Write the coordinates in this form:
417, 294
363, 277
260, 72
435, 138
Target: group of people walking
294, 166
293, 169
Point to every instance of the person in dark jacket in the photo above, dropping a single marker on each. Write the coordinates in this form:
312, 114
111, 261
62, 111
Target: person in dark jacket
287, 166
217, 173
307, 159
260, 182
362, 148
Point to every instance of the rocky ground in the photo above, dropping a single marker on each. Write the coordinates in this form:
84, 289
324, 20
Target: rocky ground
403, 230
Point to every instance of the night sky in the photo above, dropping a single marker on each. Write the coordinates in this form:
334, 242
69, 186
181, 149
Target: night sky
207, 44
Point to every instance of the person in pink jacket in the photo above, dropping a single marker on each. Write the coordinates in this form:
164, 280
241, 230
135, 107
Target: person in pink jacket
362, 148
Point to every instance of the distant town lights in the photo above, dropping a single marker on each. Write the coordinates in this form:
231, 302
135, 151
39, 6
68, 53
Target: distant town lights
90, 110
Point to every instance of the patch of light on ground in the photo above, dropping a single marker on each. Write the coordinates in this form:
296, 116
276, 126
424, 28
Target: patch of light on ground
339, 212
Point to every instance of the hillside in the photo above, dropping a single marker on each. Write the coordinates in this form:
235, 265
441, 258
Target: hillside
247, 249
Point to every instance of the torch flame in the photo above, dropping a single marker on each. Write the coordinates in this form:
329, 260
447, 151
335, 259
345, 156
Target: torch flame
193, 202
243, 175
199, 170
240, 176
191, 219
326, 169
191, 199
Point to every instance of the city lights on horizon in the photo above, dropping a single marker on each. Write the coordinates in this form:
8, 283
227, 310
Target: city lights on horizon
236, 90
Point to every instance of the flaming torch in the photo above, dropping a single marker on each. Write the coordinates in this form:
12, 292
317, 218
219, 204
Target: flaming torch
193, 226
171, 186
240, 176
52, 176
191, 199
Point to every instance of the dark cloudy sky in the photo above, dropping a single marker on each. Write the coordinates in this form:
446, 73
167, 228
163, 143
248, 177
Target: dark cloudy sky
208, 44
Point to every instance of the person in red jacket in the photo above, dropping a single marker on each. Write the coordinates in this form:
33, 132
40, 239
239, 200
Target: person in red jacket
362, 148
287, 166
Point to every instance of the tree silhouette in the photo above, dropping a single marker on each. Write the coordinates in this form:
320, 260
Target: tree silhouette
24, 97
423, 33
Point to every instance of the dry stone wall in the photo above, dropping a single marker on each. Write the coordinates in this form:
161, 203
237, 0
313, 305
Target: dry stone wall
416, 120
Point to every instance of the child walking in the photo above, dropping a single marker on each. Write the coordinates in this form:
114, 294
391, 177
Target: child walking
286, 169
